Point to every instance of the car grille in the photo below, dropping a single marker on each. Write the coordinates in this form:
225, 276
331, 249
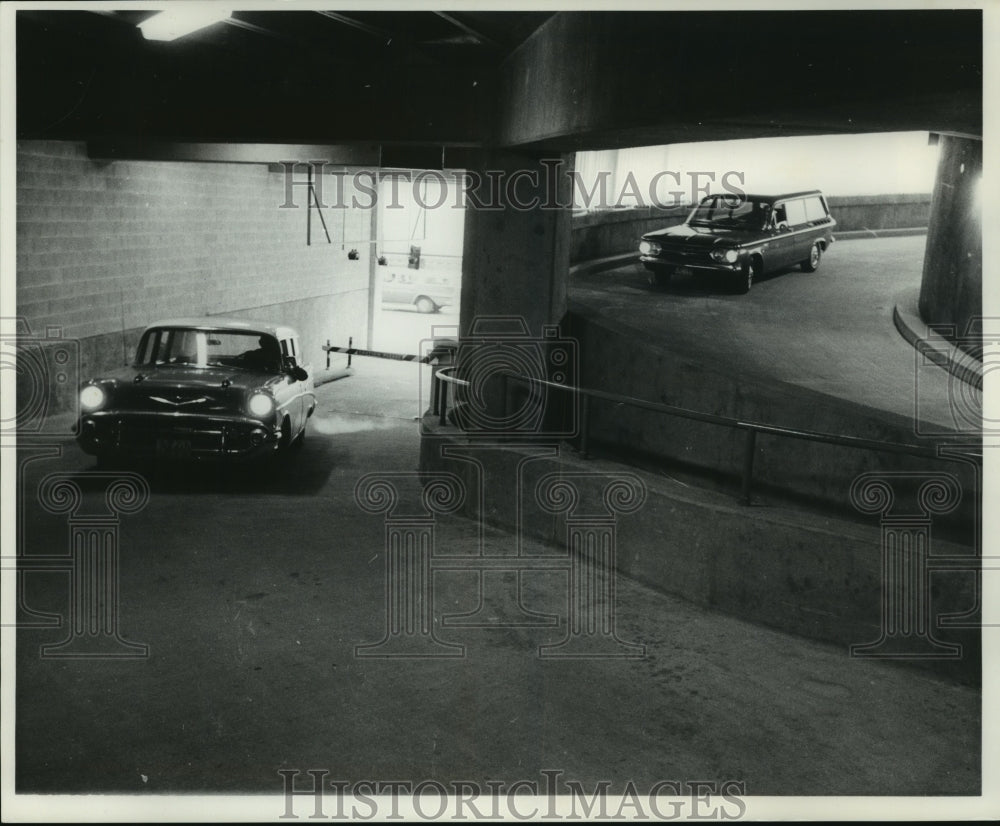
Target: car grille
685, 255
192, 436
173, 400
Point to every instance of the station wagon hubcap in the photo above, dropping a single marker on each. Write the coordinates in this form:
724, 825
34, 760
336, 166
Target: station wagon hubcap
814, 256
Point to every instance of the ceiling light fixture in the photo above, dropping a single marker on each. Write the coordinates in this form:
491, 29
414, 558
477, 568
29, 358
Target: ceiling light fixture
180, 19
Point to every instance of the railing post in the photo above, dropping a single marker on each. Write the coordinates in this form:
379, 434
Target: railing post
350, 346
749, 450
328, 354
584, 426
442, 386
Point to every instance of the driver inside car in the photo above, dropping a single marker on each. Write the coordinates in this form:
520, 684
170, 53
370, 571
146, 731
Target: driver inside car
266, 356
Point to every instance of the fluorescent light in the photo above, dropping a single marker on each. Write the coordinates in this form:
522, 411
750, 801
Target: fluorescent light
182, 18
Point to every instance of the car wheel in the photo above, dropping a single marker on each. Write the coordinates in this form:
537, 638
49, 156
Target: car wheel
659, 277
747, 276
811, 264
425, 305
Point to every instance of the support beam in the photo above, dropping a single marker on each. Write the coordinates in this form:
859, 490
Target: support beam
265, 153
469, 30
374, 31
236, 23
600, 80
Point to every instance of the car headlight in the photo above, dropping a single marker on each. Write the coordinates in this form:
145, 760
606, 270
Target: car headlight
260, 404
92, 397
728, 256
649, 248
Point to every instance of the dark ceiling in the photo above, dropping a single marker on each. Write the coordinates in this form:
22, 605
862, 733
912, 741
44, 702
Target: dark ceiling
345, 75
472, 78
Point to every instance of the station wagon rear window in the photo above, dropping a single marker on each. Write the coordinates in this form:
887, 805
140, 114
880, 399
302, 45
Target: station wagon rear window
815, 209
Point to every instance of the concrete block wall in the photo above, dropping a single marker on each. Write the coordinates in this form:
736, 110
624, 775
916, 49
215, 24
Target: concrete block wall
105, 247
874, 212
601, 234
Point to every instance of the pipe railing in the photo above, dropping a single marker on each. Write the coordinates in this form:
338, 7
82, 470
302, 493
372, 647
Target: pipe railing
750, 429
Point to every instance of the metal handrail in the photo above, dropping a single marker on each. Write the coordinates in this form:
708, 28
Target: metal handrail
751, 429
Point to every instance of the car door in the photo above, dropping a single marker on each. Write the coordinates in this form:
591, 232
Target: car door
291, 396
800, 233
781, 247
303, 387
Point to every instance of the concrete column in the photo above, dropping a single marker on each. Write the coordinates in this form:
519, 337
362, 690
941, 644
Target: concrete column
517, 237
952, 283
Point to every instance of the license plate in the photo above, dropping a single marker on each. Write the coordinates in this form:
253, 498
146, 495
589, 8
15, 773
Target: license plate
173, 448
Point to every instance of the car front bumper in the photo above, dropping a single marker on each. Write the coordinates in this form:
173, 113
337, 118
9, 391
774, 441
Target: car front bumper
176, 436
686, 262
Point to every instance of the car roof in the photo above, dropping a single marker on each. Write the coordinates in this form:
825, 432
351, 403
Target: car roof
783, 196
223, 323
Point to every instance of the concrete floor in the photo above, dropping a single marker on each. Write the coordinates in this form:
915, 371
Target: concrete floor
253, 593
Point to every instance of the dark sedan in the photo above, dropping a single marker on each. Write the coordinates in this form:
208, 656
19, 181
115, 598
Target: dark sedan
741, 237
203, 388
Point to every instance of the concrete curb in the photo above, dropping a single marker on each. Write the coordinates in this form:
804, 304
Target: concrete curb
934, 347
326, 376
601, 264
898, 232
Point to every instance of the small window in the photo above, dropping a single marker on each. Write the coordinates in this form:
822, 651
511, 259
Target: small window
284, 348
815, 210
796, 212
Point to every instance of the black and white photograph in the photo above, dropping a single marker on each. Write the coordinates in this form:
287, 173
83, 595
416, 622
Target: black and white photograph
498, 412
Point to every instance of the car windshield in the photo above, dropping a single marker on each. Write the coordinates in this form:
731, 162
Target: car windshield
730, 212
184, 347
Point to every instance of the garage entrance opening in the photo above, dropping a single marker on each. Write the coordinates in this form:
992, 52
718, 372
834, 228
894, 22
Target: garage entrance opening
420, 225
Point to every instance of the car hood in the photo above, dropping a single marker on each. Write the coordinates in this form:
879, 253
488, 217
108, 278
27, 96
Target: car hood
699, 237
